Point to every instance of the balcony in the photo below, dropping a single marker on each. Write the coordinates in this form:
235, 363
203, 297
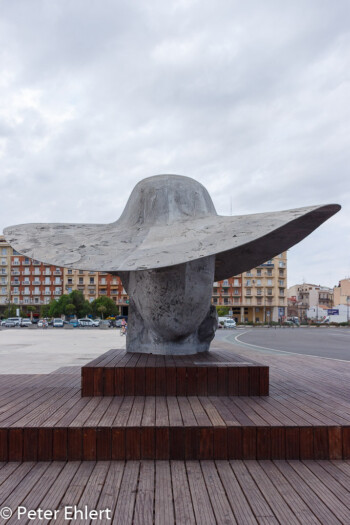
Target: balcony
26, 263
36, 282
56, 292
47, 272
26, 283
25, 292
47, 292
59, 282
36, 272
14, 263
15, 283
57, 272
47, 282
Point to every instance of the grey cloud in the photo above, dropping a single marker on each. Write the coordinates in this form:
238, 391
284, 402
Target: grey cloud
251, 99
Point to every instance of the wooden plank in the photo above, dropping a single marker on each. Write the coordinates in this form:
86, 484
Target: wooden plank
124, 510
30, 444
335, 443
260, 507
75, 444
15, 444
164, 509
144, 504
103, 443
221, 507
183, 509
110, 490
235, 495
60, 444
201, 502
306, 442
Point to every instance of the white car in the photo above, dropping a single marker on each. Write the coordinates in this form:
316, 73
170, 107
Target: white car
14, 321
88, 322
57, 323
42, 323
26, 322
229, 323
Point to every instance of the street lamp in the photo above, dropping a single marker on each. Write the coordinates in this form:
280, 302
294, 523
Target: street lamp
347, 305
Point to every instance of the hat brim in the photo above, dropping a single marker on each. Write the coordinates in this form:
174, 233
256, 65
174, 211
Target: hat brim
239, 243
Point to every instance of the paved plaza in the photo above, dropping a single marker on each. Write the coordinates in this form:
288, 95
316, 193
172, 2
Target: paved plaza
41, 351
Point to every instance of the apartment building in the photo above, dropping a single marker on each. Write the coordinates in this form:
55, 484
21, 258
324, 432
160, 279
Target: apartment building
258, 295
342, 293
84, 281
302, 297
5, 265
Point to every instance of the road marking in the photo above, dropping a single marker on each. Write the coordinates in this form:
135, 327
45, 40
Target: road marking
280, 351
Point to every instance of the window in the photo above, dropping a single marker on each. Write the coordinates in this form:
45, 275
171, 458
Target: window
3, 262
258, 282
15, 300
47, 280
81, 272
236, 300
248, 282
92, 280
281, 273
281, 282
269, 282
236, 282
3, 251
281, 264
70, 281
81, 280
225, 282
70, 272
258, 273
269, 272
69, 289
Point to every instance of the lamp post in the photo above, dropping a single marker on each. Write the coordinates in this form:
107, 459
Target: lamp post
347, 307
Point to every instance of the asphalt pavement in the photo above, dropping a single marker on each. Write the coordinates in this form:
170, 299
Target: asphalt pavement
326, 342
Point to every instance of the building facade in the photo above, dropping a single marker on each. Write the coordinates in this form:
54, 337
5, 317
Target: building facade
342, 293
302, 297
257, 296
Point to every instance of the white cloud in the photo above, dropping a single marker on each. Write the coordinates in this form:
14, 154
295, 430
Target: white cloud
251, 99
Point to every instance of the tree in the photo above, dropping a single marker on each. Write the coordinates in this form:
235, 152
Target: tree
108, 303
69, 309
44, 310
31, 309
222, 310
102, 309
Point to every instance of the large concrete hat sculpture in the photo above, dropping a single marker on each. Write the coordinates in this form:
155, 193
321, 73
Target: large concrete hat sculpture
168, 247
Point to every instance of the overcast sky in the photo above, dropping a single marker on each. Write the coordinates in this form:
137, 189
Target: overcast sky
249, 98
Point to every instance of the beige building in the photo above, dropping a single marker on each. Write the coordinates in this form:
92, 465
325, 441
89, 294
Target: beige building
264, 291
257, 296
84, 281
342, 293
304, 296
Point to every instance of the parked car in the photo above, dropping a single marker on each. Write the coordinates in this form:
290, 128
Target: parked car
106, 322
16, 320
229, 323
42, 323
9, 323
57, 323
74, 322
3, 322
88, 322
26, 322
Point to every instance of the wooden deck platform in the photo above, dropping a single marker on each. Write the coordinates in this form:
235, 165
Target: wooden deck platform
214, 373
306, 416
182, 493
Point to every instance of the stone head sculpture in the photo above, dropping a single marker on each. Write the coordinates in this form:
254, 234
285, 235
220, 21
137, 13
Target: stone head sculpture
168, 247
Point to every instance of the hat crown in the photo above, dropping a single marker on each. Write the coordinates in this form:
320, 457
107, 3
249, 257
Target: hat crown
164, 199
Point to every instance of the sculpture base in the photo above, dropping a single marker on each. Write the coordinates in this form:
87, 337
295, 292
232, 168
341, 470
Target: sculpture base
214, 373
